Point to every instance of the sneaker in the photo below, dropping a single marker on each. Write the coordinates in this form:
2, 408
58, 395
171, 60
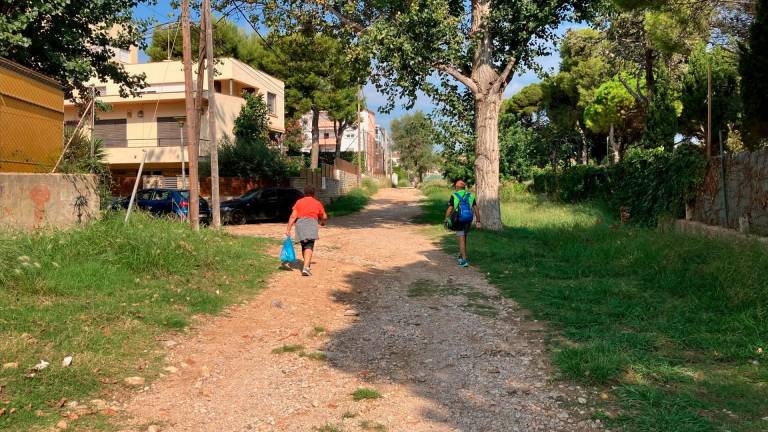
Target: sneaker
306, 272
463, 262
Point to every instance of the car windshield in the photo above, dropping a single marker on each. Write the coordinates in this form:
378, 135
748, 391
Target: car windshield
184, 194
253, 193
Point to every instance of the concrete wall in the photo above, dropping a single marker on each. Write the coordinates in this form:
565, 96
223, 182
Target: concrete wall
34, 201
746, 187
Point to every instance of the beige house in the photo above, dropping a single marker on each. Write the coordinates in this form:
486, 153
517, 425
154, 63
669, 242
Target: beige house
151, 121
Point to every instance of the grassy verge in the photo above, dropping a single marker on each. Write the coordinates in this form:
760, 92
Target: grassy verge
672, 327
354, 201
103, 294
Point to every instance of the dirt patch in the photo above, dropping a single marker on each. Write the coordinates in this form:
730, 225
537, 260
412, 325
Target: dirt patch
385, 311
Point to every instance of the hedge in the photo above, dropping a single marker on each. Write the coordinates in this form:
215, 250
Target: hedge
650, 183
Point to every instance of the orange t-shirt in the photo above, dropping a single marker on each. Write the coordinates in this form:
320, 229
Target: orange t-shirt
309, 207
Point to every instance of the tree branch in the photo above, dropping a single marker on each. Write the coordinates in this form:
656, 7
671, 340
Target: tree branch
450, 70
506, 75
640, 98
357, 26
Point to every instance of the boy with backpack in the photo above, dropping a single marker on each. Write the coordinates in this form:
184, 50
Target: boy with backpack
462, 210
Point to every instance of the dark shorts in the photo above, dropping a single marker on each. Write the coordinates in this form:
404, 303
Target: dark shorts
307, 244
462, 229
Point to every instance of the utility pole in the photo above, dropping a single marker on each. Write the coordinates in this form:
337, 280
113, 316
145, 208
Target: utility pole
215, 207
359, 154
93, 120
194, 184
710, 145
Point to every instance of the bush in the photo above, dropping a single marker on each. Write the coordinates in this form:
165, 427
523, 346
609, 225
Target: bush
650, 183
370, 185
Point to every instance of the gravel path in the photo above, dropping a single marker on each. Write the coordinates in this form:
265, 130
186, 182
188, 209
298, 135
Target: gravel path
386, 310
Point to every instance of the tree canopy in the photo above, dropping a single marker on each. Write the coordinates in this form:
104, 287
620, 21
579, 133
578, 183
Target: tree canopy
413, 136
72, 41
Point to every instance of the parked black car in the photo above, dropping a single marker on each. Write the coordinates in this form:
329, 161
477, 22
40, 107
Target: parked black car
260, 204
167, 202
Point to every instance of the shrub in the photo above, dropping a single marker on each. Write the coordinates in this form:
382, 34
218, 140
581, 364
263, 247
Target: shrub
650, 183
370, 186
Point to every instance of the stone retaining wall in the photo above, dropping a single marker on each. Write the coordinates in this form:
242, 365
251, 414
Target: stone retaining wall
746, 189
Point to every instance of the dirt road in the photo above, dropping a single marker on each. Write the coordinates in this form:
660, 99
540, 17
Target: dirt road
385, 310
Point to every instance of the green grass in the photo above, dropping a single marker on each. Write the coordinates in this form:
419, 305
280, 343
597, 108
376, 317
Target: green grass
328, 427
674, 327
365, 393
288, 349
350, 203
315, 355
374, 426
103, 293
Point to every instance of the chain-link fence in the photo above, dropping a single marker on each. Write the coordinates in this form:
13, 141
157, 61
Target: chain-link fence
31, 120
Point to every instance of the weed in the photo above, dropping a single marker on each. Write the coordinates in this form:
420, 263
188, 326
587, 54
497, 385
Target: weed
369, 425
352, 202
348, 415
317, 355
288, 349
318, 330
365, 393
328, 427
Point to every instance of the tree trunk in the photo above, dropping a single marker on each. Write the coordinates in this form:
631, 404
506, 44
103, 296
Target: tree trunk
339, 131
614, 156
488, 88
315, 152
650, 81
487, 159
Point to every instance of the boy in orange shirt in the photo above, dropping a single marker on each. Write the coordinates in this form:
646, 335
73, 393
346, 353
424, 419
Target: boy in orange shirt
307, 213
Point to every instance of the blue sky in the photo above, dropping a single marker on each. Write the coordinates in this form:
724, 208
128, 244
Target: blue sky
162, 12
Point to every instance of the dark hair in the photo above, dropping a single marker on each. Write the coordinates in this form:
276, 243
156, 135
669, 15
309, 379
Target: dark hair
309, 190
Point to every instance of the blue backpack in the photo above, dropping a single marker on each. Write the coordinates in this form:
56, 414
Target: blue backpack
462, 214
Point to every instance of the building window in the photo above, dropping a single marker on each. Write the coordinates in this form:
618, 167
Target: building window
326, 135
272, 103
112, 132
249, 90
217, 86
168, 132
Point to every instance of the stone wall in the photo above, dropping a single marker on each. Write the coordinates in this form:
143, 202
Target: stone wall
35, 201
329, 183
746, 189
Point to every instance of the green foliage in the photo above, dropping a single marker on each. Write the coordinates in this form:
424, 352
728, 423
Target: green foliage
253, 121
670, 326
726, 97
229, 40
250, 154
613, 105
655, 182
517, 146
370, 186
650, 183
105, 293
413, 135
77, 159
317, 72
753, 67
524, 104
661, 123
365, 393
71, 41
250, 158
